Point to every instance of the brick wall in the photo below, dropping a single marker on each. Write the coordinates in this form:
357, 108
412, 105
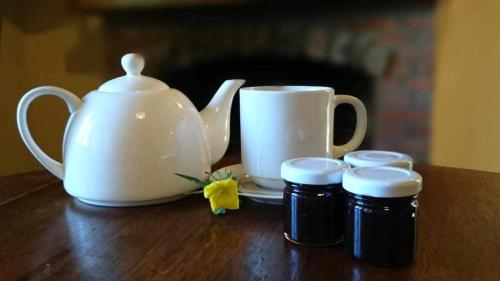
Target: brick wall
403, 95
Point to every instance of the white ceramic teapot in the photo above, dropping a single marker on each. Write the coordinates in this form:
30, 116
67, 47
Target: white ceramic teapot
124, 142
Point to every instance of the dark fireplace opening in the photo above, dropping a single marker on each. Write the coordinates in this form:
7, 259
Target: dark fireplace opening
200, 80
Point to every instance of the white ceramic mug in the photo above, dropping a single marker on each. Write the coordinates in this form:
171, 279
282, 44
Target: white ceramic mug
283, 122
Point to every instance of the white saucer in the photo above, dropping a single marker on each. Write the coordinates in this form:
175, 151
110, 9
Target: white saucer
249, 189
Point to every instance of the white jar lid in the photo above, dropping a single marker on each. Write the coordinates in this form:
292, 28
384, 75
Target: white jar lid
313, 170
382, 182
373, 158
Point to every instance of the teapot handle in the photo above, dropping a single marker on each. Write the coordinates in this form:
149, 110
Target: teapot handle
359, 132
72, 101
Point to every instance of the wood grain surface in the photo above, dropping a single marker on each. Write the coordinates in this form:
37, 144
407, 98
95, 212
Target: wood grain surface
46, 234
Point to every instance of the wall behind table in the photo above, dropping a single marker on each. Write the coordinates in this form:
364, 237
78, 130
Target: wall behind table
43, 43
466, 117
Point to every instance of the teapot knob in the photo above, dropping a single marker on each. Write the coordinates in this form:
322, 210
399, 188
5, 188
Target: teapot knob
133, 64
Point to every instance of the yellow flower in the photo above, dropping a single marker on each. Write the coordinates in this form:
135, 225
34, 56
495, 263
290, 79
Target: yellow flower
223, 194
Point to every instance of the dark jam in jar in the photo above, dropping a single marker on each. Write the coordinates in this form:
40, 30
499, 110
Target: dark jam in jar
313, 213
313, 200
381, 231
381, 214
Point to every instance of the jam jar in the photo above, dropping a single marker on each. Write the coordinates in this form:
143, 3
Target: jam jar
380, 219
374, 158
313, 200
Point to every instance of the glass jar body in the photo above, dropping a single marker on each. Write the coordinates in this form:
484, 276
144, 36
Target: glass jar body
381, 231
313, 214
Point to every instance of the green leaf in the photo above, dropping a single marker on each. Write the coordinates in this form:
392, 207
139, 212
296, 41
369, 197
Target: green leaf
201, 183
210, 176
220, 211
219, 175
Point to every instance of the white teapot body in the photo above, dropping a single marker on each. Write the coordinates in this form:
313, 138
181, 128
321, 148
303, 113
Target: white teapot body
123, 147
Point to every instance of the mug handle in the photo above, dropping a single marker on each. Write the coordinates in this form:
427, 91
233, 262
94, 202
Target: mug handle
359, 132
73, 103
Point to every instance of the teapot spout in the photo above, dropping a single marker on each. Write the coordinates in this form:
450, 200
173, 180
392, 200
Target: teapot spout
216, 116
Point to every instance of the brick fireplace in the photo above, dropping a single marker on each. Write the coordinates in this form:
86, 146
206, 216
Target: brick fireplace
382, 55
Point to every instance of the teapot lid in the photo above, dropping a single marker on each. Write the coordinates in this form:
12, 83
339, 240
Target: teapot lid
133, 81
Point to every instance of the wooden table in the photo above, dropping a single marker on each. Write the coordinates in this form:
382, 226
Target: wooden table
46, 234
